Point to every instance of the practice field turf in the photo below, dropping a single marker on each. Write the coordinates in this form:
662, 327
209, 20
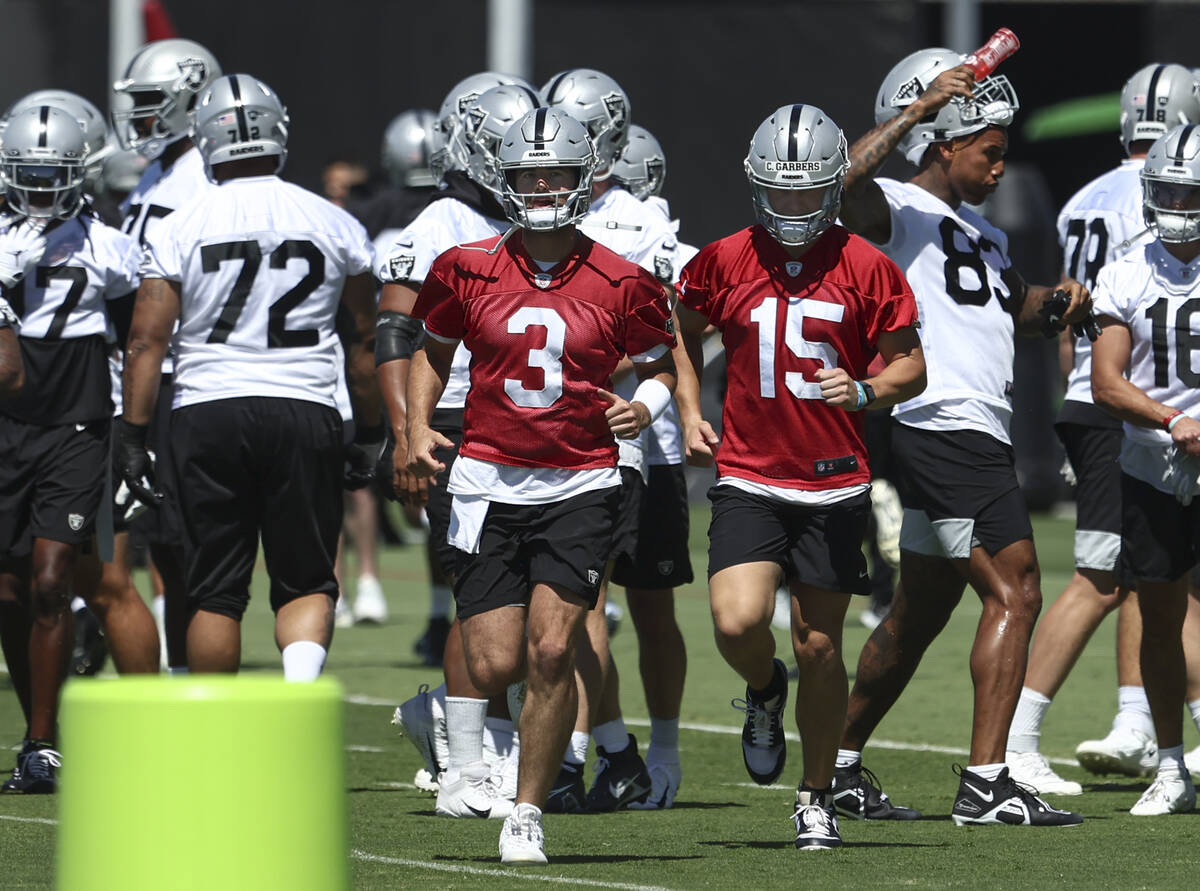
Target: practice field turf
724, 831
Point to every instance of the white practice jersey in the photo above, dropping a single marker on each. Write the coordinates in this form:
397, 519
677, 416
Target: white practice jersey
954, 260
262, 264
86, 263
443, 224
158, 194
1101, 223
642, 233
1158, 299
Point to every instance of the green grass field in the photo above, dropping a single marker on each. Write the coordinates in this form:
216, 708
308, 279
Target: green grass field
724, 831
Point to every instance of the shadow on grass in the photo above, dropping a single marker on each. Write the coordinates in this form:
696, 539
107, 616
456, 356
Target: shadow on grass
781, 844
560, 859
1131, 786
705, 805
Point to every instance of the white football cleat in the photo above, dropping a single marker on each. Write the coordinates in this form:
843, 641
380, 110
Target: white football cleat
369, 603
1124, 750
420, 720
504, 774
889, 517
342, 616
1170, 793
522, 842
425, 782
471, 792
782, 617
664, 785
1192, 762
1032, 769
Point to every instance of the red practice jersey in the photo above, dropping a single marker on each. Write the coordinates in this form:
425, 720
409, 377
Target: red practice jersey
781, 320
542, 344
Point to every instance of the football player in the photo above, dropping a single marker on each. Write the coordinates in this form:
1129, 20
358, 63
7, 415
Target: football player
150, 108
965, 520
547, 313
1143, 371
256, 435
476, 114
802, 306
54, 435
1099, 224
647, 566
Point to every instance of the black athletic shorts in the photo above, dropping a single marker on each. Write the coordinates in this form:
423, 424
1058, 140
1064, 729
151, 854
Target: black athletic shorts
254, 466
51, 482
565, 543
959, 489
1160, 537
660, 558
625, 530
1095, 453
448, 422
161, 525
814, 545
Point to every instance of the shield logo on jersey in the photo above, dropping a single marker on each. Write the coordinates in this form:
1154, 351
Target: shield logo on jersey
663, 271
75, 521
543, 280
614, 103
908, 92
793, 268
400, 267
665, 567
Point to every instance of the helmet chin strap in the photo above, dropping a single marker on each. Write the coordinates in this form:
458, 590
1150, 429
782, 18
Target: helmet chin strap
491, 252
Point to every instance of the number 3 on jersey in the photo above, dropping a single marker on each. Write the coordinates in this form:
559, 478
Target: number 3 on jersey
548, 358
764, 316
249, 254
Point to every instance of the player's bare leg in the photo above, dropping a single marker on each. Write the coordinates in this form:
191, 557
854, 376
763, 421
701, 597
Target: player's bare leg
894, 650
1163, 608
15, 626
1068, 626
662, 654
214, 643
51, 635
821, 687
116, 603
742, 600
1191, 643
1009, 585
556, 617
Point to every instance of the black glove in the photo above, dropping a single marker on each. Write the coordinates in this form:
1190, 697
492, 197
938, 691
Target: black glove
361, 457
134, 463
385, 468
1052, 311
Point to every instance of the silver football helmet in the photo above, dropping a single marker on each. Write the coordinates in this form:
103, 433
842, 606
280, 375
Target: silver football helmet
599, 103
1156, 99
546, 138
993, 103
484, 124
642, 166
798, 147
451, 154
44, 160
95, 127
1171, 185
239, 117
161, 83
408, 143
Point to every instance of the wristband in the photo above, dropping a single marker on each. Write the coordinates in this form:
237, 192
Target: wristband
870, 391
862, 396
1172, 419
653, 394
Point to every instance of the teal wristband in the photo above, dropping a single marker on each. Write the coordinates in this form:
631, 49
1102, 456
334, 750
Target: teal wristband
862, 396
1179, 416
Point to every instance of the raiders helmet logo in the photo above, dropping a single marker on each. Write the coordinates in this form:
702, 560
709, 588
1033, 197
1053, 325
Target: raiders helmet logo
75, 521
908, 92
473, 120
400, 267
195, 73
618, 113
793, 268
663, 270
543, 280
466, 99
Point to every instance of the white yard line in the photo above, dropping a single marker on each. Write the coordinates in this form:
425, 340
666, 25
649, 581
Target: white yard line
506, 875
45, 820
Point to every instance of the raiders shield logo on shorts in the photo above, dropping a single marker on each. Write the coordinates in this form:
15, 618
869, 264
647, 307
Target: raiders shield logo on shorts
75, 521
665, 567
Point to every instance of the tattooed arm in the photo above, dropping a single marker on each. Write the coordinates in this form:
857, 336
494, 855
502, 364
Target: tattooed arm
864, 207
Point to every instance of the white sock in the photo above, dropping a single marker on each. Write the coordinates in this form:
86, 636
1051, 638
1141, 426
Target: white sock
77, 603
611, 735
664, 741
1026, 729
577, 749
848, 758
987, 772
1170, 761
440, 599
303, 660
497, 736
1194, 708
464, 729
1133, 711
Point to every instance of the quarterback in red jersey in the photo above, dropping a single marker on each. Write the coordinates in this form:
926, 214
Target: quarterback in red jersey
803, 307
547, 314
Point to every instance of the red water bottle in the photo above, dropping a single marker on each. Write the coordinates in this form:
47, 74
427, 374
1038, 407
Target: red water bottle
999, 47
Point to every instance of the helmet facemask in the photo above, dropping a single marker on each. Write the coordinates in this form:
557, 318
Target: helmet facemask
799, 229
45, 190
532, 211
1172, 209
551, 140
